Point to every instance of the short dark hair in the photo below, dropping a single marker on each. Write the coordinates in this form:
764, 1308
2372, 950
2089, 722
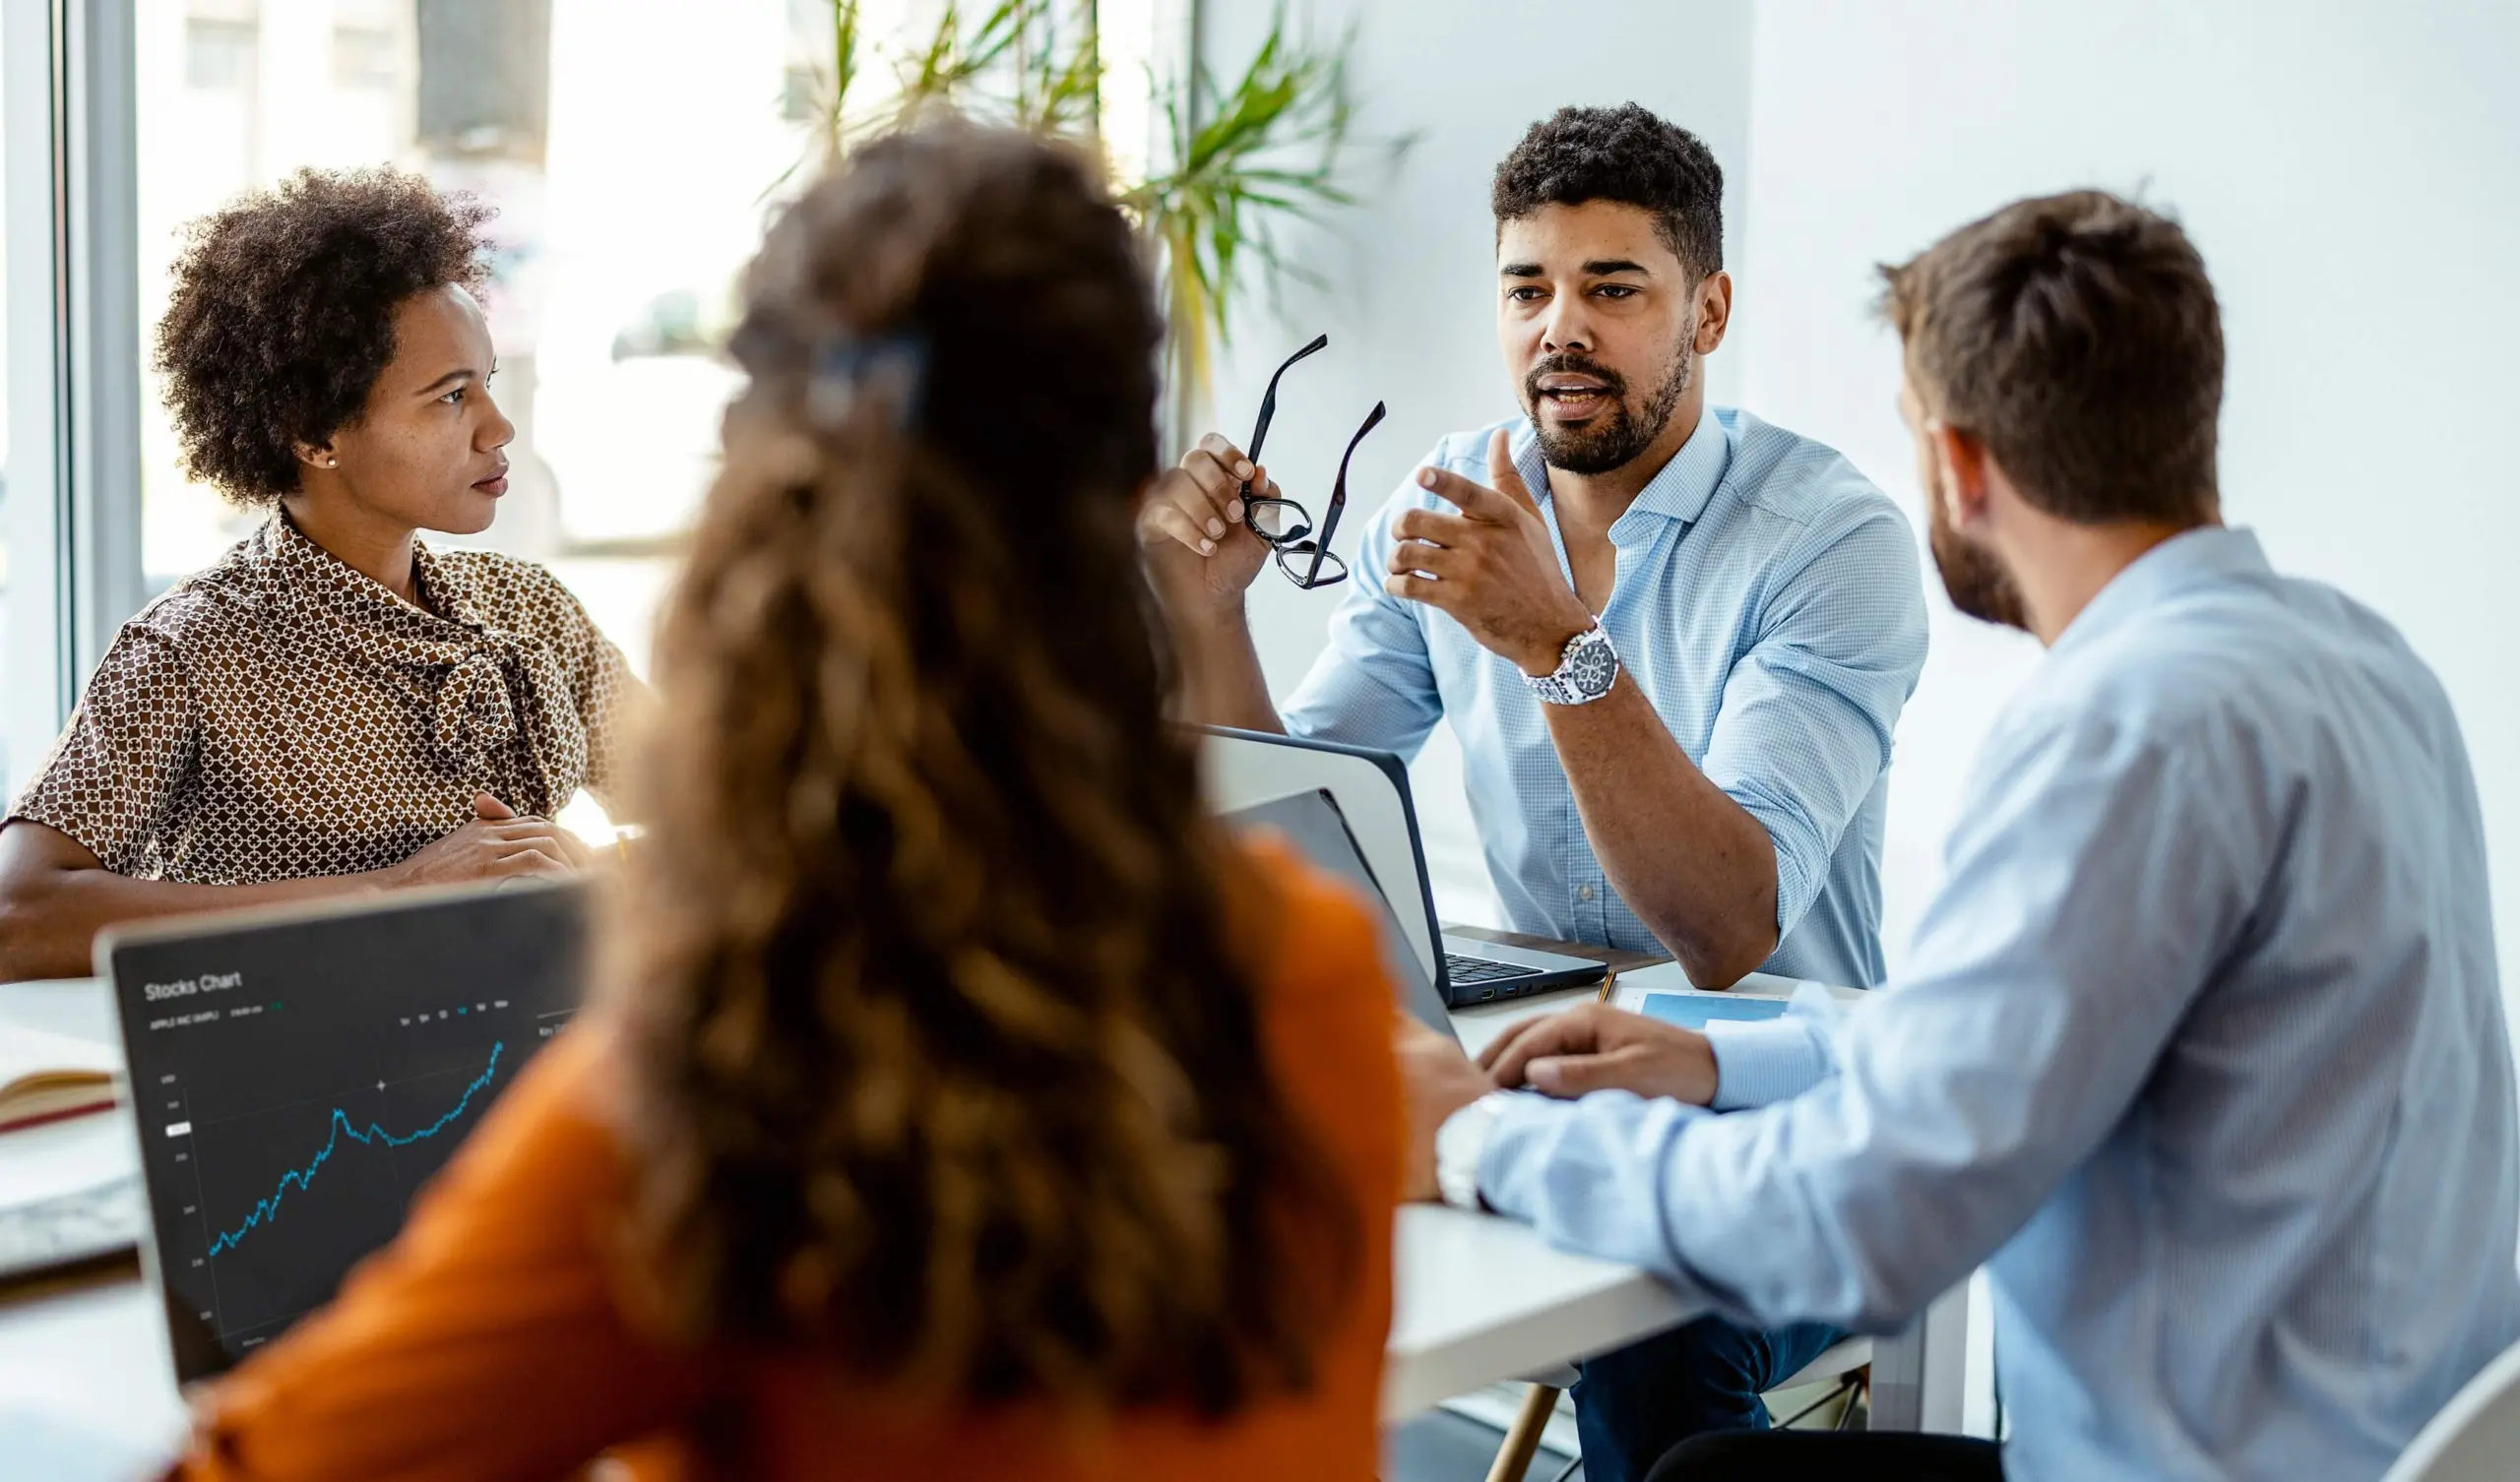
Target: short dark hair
1624, 155
2079, 336
283, 314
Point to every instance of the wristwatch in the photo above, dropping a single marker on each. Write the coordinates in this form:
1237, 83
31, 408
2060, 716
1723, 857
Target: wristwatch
1585, 671
1458, 1146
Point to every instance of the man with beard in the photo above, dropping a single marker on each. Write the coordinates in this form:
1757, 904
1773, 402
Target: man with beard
1672, 640
2200, 1048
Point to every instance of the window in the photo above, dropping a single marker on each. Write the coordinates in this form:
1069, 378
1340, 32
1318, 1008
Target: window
634, 149
12, 594
617, 218
367, 59
218, 54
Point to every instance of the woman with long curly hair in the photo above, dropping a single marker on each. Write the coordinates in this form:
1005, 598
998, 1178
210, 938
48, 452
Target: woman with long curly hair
961, 1101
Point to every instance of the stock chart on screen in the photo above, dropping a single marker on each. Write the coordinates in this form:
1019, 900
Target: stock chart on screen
297, 1084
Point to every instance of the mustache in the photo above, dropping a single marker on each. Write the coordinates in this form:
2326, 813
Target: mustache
1614, 385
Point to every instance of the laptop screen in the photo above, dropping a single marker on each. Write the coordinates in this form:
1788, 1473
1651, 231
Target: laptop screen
1312, 823
296, 1082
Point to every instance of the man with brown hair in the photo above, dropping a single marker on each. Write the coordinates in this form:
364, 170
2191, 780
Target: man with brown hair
2200, 1050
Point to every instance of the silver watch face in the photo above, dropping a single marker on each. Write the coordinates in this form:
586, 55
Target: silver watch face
1592, 667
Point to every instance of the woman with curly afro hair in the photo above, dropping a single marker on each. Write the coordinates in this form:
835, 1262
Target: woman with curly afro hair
334, 705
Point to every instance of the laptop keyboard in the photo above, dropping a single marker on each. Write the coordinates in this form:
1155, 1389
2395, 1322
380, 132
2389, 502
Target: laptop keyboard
1461, 970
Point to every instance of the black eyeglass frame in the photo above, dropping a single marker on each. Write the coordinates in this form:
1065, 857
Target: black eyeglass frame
1295, 541
1301, 526
1319, 550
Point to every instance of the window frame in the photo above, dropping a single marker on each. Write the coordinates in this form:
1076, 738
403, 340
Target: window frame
68, 173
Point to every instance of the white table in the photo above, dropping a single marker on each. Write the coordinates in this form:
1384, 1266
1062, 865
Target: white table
85, 1381
1478, 1299
1502, 1304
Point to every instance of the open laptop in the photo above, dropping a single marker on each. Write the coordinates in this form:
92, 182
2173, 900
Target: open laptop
1371, 788
1312, 823
297, 1074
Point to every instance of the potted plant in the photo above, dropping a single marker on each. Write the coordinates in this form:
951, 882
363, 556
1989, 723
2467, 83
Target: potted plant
1236, 162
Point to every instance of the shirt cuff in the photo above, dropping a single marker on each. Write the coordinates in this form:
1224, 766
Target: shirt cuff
1516, 1133
1802, 855
1588, 1175
1762, 1061
1459, 1145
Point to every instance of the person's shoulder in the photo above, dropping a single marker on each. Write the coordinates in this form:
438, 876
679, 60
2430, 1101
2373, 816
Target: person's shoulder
2238, 667
514, 593
213, 606
2262, 650
1320, 974
1462, 453
1799, 512
1466, 452
558, 1121
1321, 929
1786, 474
1327, 1005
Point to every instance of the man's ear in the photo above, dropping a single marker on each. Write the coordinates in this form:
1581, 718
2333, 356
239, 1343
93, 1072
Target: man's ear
1961, 458
1713, 311
318, 454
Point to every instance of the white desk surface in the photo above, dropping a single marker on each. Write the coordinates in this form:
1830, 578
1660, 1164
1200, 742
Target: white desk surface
1478, 1299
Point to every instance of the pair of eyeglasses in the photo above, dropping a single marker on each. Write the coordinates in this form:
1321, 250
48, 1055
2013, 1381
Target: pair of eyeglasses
1302, 557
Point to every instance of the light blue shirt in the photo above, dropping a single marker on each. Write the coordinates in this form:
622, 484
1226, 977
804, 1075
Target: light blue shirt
2201, 1053
1768, 604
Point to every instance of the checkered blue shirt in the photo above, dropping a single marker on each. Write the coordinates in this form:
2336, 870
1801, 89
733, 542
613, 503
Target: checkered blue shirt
1768, 604
2200, 1050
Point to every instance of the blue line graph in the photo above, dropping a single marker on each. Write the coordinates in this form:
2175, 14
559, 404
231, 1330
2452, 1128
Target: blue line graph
266, 1209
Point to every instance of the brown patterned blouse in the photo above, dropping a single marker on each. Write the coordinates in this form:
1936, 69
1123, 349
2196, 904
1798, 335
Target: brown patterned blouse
281, 716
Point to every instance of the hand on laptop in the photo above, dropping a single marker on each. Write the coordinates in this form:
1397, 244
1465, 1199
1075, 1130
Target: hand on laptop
1596, 1047
498, 845
1493, 567
1195, 532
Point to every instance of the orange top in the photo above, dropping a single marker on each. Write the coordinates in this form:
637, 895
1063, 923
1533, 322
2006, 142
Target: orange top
485, 1343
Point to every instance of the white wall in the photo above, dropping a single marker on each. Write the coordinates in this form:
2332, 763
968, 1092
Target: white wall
1410, 274
2350, 172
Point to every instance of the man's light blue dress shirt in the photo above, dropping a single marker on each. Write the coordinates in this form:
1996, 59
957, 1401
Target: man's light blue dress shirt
1769, 603
2200, 1050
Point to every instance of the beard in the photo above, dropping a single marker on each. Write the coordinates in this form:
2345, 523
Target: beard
1971, 576
1611, 438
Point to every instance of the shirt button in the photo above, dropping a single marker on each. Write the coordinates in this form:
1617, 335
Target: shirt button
1584, 893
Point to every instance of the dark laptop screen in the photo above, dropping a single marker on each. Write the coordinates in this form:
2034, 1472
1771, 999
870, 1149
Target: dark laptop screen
296, 1082
1313, 824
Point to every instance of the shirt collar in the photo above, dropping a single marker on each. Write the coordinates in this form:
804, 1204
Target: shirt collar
310, 573
1679, 491
2202, 557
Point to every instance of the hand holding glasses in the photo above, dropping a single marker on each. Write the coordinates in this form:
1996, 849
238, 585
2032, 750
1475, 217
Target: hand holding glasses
1303, 559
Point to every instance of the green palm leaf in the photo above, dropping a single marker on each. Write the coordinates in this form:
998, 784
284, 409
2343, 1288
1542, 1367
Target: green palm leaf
1273, 146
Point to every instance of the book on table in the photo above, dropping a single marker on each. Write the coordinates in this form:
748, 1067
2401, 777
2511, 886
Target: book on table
45, 1076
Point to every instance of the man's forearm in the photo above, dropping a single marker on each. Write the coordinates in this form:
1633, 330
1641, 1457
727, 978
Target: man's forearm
1695, 866
49, 919
1223, 682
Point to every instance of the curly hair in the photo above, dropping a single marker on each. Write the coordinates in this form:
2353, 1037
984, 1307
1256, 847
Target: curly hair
942, 1040
1624, 155
283, 315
